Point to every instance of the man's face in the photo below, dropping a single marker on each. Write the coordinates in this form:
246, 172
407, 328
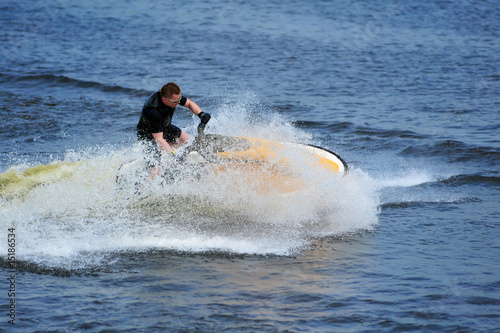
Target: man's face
172, 101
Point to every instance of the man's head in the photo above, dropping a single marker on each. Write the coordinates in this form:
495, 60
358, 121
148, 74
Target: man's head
170, 94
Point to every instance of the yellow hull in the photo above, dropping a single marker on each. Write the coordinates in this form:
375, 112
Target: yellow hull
270, 166
262, 178
267, 151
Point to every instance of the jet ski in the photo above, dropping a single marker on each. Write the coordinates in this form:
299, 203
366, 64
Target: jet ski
266, 164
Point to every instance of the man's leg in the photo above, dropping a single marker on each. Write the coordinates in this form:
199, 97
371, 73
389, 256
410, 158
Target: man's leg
182, 140
175, 136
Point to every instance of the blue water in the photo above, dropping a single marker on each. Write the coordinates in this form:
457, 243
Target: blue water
406, 92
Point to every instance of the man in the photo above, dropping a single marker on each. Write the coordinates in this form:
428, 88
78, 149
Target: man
155, 130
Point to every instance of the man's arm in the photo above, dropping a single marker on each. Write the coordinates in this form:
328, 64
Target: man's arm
204, 116
162, 143
192, 106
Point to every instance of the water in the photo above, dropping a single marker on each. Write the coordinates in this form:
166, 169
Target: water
406, 92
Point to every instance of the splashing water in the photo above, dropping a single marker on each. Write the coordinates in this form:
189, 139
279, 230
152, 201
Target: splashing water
72, 214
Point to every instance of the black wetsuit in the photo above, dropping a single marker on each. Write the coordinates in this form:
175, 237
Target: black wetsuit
156, 117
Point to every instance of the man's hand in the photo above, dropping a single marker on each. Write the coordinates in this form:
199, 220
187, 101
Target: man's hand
204, 117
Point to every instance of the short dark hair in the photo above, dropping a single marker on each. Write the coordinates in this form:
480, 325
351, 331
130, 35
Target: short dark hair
170, 89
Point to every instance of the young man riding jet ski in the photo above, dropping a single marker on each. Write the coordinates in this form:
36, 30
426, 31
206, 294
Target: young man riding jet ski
155, 130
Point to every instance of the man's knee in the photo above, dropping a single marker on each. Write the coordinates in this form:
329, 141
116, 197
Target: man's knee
184, 137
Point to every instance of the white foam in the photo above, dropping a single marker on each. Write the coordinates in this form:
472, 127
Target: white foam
78, 221
407, 178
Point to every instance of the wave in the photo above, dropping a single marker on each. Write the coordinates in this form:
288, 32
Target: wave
417, 178
384, 133
360, 130
409, 179
455, 151
50, 80
335, 127
420, 188
474, 179
425, 203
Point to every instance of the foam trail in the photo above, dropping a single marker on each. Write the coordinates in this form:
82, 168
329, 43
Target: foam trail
410, 178
412, 186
